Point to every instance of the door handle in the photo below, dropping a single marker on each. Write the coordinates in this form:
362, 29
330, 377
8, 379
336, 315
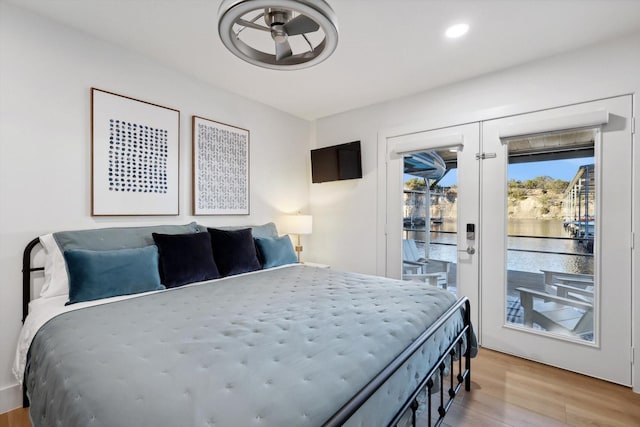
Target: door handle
470, 250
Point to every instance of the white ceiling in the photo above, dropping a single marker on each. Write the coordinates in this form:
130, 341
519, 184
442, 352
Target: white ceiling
387, 48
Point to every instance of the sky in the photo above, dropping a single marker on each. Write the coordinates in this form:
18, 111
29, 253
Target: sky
557, 169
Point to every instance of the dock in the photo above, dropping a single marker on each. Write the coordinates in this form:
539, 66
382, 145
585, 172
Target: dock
579, 205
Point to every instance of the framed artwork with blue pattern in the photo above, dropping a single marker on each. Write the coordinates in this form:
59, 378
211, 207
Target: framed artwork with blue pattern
135, 156
220, 168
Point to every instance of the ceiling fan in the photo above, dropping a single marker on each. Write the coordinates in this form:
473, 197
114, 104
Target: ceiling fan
244, 26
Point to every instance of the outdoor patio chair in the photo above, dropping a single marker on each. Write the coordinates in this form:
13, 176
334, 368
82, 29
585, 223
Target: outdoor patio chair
433, 279
415, 266
569, 285
565, 308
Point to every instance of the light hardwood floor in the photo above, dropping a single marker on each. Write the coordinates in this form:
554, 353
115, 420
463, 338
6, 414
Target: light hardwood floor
509, 391
16, 418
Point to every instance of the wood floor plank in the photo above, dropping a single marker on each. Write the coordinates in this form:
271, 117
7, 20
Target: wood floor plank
479, 403
561, 396
578, 416
460, 416
16, 418
516, 389
604, 408
507, 381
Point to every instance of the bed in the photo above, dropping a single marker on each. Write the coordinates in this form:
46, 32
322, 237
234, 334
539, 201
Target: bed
282, 345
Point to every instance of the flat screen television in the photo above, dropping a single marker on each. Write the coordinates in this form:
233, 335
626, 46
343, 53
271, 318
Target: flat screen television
336, 163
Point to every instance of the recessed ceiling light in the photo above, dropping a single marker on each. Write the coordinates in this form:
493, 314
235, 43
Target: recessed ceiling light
458, 30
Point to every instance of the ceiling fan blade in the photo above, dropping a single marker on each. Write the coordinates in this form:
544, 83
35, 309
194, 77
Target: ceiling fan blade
301, 24
250, 24
283, 50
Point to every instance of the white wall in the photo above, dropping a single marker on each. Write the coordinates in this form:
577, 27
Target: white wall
46, 72
348, 216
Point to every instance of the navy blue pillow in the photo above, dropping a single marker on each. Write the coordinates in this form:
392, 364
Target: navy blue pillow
185, 258
276, 251
234, 251
102, 274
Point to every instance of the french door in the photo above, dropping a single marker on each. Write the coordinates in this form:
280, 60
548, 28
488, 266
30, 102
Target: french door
535, 230
451, 209
563, 296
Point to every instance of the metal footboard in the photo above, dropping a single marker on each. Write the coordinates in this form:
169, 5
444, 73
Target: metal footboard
451, 357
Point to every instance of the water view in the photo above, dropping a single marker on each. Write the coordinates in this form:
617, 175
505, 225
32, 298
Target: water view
550, 212
552, 248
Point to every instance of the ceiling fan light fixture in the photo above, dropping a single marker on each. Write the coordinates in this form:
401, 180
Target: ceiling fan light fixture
280, 20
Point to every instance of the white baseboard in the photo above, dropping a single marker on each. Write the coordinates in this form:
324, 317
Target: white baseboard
10, 398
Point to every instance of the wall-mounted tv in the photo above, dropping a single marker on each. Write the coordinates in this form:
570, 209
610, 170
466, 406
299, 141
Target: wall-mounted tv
336, 163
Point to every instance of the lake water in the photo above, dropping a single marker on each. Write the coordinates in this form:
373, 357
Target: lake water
548, 248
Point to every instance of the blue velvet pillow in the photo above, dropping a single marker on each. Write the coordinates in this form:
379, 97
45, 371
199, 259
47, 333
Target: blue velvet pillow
234, 251
185, 258
276, 251
102, 274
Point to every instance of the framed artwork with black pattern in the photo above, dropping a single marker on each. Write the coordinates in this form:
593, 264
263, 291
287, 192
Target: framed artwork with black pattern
135, 156
220, 168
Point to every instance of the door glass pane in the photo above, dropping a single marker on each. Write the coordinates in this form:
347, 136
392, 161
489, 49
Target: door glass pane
551, 203
429, 245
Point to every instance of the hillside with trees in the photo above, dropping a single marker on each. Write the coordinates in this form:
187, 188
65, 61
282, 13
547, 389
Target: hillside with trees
541, 197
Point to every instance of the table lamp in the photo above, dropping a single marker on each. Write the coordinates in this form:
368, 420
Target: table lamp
299, 224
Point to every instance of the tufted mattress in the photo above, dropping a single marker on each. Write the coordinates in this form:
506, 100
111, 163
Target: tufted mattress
282, 347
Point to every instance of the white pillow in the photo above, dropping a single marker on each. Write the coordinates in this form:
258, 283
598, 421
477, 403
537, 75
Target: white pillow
48, 262
56, 279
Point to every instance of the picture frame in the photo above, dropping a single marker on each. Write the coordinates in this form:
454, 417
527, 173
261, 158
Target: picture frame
220, 168
135, 157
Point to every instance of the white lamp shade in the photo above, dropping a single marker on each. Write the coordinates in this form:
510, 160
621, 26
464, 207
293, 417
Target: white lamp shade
299, 224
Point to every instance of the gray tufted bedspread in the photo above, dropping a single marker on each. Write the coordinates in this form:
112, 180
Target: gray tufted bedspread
283, 347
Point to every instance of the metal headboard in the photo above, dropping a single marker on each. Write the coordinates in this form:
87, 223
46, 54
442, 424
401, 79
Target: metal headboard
27, 269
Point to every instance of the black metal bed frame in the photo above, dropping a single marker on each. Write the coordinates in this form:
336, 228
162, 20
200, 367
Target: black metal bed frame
448, 360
